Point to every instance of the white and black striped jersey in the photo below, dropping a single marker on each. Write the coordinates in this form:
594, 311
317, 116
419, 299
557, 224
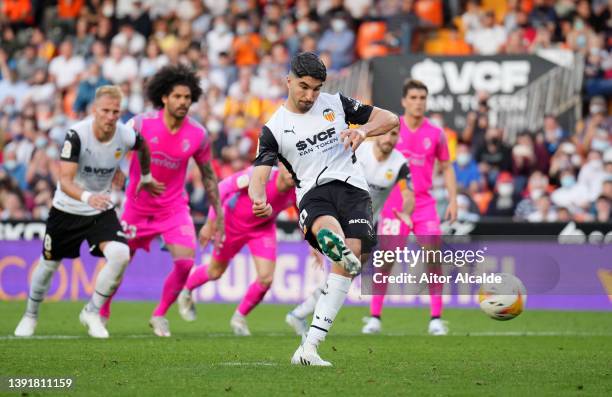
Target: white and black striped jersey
97, 162
381, 175
309, 143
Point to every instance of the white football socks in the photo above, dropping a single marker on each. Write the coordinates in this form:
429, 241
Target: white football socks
41, 280
117, 258
328, 305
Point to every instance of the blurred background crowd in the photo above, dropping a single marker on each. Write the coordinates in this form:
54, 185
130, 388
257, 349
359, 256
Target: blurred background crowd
54, 54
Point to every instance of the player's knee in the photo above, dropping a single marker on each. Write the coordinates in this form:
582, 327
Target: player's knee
265, 280
215, 272
50, 266
116, 252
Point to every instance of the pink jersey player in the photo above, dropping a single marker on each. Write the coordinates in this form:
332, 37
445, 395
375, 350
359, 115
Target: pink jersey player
173, 138
422, 143
421, 148
243, 228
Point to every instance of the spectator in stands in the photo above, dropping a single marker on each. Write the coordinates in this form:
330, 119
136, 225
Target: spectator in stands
246, 45
602, 212
494, 156
537, 186
467, 211
12, 90
466, 169
511, 16
598, 70
565, 158
29, 63
83, 40
505, 197
13, 168
564, 215
119, 67
219, 39
523, 159
543, 14
489, 38
581, 36
41, 90
515, 44
339, 40
592, 174
402, 25
553, 133
606, 189
130, 39
153, 60
471, 19
476, 125
544, 212
570, 194
66, 68
13, 208
87, 88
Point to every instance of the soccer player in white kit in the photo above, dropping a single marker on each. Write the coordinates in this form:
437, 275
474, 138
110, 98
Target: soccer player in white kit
384, 168
82, 208
309, 134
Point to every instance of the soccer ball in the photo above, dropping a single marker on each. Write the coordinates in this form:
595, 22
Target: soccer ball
503, 301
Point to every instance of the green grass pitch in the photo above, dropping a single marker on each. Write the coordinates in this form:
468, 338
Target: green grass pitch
538, 353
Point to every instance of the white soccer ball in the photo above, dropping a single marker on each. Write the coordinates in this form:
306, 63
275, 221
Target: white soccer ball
503, 301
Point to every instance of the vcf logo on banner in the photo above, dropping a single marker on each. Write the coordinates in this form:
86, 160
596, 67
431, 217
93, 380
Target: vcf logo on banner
454, 81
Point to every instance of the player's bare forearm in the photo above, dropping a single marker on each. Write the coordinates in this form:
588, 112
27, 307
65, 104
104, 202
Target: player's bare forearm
381, 121
68, 171
407, 201
211, 187
144, 158
449, 180
257, 184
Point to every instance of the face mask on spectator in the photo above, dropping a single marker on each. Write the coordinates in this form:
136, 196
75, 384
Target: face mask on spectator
338, 25
437, 122
41, 142
536, 194
221, 27
599, 144
576, 160
108, 10
43, 212
463, 159
10, 164
596, 108
52, 152
242, 30
568, 181
505, 189
303, 28
214, 126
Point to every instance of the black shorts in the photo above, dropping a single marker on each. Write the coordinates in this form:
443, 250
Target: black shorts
351, 206
65, 233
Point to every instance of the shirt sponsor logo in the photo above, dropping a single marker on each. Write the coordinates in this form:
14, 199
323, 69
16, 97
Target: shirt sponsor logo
317, 141
186, 145
163, 160
98, 171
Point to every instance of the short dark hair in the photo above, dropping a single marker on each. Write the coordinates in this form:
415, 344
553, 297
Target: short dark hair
308, 64
412, 84
168, 77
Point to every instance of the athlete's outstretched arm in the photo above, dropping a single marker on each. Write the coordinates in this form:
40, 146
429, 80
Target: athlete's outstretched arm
257, 190
209, 180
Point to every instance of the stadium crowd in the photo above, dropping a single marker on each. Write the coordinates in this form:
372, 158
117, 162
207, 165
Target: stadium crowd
53, 57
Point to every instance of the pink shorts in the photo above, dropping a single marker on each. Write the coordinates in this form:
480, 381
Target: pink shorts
425, 222
261, 242
175, 228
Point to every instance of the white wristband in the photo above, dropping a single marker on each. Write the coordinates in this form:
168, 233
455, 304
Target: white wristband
85, 196
146, 178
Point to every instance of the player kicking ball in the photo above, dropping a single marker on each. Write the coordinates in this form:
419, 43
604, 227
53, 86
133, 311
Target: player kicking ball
243, 228
422, 143
82, 208
174, 138
384, 168
309, 134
